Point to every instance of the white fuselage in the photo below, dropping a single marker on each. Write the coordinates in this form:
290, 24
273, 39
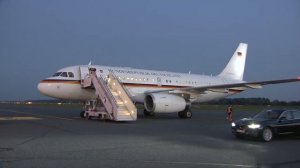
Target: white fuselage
160, 91
66, 83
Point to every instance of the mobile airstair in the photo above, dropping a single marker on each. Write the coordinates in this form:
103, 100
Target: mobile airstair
112, 102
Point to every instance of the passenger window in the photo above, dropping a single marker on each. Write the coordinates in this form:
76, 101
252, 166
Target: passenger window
296, 114
71, 75
64, 74
288, 115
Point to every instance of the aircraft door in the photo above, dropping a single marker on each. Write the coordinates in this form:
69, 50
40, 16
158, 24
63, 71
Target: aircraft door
84, 71
159, 82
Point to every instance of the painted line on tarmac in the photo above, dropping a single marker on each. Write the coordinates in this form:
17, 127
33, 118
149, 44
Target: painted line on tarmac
204, 164
18, 118
38, 115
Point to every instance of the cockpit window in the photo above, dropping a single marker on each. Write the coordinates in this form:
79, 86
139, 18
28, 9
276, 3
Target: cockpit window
64, 74
71, 75
57, 74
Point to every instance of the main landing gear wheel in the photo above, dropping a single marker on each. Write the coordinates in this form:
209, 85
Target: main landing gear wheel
147, 113
185, 114
82, 114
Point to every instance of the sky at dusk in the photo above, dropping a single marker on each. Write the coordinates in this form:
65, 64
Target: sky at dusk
38, 37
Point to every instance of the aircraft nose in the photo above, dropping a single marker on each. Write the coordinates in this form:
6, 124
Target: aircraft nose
42, 88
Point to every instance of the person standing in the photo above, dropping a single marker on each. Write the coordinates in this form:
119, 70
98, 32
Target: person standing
229, 113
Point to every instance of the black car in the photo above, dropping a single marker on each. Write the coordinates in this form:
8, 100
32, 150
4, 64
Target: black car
268, 123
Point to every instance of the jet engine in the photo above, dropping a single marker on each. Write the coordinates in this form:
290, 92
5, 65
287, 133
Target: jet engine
164, 103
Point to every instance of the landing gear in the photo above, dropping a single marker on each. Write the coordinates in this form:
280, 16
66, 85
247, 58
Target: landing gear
185, 114
82, 114
147, 113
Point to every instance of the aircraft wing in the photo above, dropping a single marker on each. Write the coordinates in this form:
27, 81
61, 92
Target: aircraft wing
225, 88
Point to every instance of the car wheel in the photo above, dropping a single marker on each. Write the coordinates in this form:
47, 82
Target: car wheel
239, 136
267, 134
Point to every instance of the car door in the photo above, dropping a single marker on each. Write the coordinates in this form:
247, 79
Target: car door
297, 121
285, 123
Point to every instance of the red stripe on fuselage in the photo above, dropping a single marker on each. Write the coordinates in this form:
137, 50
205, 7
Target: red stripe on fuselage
61, 81
152, 86
130, 85
125, 84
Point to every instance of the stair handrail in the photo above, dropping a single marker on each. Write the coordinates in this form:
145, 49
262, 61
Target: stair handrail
121, 84
125, 96
107, 90
108, 94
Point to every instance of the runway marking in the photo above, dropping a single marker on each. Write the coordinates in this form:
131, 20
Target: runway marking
18, 118
38, 115
204, 164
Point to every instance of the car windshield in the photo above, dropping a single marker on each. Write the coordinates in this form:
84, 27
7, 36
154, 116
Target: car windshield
268, 115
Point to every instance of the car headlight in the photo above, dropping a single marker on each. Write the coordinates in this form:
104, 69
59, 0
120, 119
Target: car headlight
233, 124
253, 126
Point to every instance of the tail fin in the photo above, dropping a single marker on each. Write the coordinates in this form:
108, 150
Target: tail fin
235, 67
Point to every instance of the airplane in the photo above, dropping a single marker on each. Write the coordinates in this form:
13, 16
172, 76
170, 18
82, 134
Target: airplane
159, 91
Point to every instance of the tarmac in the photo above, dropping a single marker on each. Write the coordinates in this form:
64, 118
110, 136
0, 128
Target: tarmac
55, 136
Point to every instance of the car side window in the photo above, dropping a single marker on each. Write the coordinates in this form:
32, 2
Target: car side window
296, 114
288, 115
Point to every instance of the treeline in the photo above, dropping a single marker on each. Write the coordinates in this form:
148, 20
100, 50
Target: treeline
226, 101
254, 101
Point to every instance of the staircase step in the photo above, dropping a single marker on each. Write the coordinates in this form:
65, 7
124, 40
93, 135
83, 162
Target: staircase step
103, 89
114, 93
122, 109
120, 103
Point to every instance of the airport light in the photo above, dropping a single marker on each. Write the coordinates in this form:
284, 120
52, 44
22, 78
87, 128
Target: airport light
233, 124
